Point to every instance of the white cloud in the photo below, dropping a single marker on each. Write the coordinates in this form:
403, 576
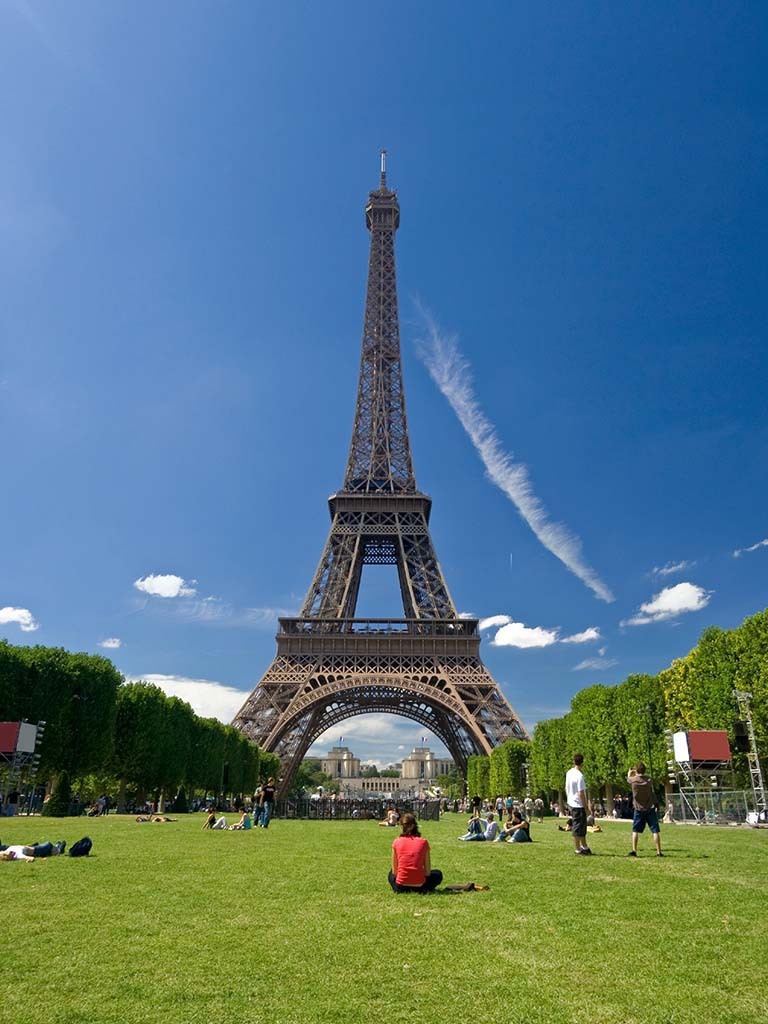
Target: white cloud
516, 634
213, 611
670, 568
22, 617
208, 698
111, 643
494, 620
670, 603
585, 637
597, 664
451, 373
743, 551
601, 651
165, 586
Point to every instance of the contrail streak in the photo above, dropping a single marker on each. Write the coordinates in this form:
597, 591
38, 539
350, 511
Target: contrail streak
451, 372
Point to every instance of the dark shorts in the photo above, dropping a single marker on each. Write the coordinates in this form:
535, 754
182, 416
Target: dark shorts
643, 818
579, 818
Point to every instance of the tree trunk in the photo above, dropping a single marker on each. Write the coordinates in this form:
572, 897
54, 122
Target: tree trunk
121, 796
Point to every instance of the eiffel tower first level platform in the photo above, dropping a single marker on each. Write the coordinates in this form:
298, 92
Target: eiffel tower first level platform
330, 665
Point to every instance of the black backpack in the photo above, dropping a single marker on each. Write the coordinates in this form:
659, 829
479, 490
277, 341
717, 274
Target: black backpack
81, 848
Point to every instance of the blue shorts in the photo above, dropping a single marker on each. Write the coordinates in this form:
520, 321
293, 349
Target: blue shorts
643, 818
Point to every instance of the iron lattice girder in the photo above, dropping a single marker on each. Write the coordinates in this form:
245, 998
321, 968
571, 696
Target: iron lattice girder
380, 451
361, 526
302, 696
331, 666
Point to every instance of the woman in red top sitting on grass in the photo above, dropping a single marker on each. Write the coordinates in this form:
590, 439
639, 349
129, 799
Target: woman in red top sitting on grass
411, 870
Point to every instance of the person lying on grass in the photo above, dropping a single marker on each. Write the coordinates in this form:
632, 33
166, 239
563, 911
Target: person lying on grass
411, 870
157, 819
485, 835
516, 830
34, 851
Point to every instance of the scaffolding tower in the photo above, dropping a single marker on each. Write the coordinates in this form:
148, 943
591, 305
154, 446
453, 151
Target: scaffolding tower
755, 771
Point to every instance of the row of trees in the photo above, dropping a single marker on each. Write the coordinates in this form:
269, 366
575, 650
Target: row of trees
615, 726
132, 736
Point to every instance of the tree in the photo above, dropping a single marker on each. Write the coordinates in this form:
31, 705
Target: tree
506, 772
309, 776
139, 726
75, 694
61, 798
370, 772
478, 776
269, 766
595, 732
640, 710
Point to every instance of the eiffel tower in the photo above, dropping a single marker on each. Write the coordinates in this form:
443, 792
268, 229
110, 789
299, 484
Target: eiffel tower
330, 665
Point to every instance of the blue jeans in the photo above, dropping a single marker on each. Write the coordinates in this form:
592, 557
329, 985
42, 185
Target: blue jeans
266, 814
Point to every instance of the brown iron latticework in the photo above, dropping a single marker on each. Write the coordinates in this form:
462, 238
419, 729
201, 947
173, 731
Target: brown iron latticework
331, 666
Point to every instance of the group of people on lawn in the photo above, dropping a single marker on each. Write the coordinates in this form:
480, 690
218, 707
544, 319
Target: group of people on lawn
411, 868
262, 812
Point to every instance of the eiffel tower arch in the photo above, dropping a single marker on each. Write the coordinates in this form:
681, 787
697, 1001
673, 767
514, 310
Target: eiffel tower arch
330, 665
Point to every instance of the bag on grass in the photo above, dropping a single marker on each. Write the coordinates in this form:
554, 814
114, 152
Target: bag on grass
81, 848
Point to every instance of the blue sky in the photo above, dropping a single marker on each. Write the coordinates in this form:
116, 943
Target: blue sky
183, 271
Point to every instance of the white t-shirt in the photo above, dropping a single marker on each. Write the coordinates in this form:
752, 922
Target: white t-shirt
574, 782
491, 830
19, 852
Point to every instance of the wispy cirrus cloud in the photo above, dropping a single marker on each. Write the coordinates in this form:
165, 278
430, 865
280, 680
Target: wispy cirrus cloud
670, 603
753, 547
595, 664
165, 585
21, 617
671, 567
214, 611
451, 373
517, 634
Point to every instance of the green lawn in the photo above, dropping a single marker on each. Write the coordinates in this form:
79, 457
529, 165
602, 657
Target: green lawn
166, 923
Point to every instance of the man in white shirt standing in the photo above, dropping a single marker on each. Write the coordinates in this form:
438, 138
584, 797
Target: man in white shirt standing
576, 795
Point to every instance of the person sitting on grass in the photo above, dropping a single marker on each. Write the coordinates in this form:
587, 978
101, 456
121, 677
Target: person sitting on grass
33, 851
411, 870
516, 830
475, 825
484, 835
210, 821
244, 824
391, 819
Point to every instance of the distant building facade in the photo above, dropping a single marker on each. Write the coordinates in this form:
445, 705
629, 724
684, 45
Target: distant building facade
417, 771
423, 766
340, 763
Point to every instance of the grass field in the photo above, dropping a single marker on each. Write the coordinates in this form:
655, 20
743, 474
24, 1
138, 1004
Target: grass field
166, 923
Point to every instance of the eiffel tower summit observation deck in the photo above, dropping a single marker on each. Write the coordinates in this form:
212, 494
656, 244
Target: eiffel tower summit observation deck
425, 665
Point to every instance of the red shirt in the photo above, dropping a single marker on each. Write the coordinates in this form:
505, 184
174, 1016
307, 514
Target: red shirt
411, 853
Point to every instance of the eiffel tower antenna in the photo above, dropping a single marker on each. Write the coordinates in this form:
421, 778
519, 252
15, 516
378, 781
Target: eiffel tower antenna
425, 666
